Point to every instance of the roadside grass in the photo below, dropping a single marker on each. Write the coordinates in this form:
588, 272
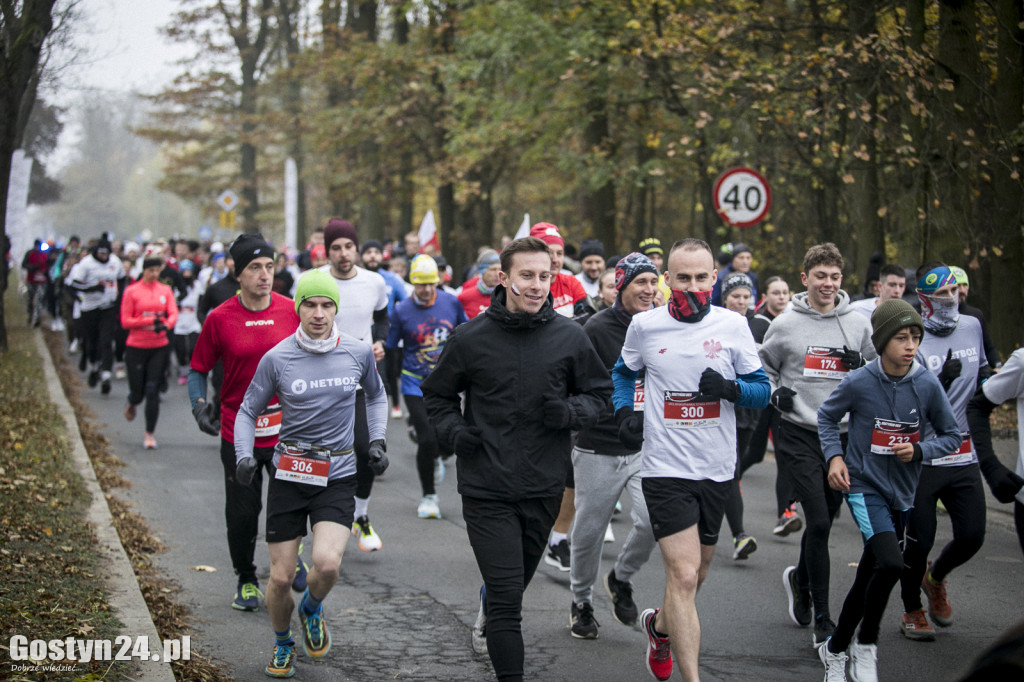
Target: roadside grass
52, 584
52, 574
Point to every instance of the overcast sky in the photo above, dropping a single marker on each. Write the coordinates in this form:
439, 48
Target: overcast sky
125, 49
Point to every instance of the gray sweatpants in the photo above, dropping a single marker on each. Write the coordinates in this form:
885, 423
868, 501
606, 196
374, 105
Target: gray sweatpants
600, 480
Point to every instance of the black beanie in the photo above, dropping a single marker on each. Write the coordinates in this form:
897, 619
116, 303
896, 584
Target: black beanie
370, 244
247, 248
591, 247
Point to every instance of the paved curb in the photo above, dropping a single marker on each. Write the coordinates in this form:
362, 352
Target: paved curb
125, 597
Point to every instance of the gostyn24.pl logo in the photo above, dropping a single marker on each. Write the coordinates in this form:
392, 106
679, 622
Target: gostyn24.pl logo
73, 650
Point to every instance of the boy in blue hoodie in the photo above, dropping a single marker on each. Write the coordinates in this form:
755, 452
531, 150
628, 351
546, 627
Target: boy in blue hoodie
888, 401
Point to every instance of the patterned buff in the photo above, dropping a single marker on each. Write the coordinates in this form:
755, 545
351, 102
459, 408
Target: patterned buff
689, 306
940, 314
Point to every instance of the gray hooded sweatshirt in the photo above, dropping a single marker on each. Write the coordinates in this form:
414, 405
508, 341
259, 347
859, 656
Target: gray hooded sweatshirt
801, 348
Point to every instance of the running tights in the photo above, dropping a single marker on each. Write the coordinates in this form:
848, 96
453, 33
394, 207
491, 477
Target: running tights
812, 569
426, 442
146, 367
877, 573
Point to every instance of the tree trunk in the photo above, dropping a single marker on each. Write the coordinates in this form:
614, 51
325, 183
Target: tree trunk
1006, 288
599, 207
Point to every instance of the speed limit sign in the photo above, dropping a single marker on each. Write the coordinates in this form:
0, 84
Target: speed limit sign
742, 197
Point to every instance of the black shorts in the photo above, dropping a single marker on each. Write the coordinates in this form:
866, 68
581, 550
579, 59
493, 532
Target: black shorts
799, 459
290, 504
676, 504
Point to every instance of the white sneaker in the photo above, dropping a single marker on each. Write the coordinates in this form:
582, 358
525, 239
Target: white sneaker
396, 412
480, 626
609, 534
369, 541
835, 664
429, 509
57, 325
73, 348
119, 371
863, 662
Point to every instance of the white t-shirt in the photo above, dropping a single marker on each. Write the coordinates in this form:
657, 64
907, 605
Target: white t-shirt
685, 436
865, 306
1007, 385
359, 297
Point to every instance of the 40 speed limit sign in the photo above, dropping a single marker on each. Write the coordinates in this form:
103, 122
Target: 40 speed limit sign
742, 197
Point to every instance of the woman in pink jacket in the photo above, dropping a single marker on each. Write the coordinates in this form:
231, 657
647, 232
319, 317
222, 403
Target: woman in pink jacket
148, 310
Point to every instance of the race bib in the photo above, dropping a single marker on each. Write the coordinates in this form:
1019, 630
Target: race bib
638, 396
690, 410
888, 433
822, 361
269, 422
962, 456
305, 468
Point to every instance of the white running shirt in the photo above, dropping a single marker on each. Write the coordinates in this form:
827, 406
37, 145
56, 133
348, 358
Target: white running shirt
684, 437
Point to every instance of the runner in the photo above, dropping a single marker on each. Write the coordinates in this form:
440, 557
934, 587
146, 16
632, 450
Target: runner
953, 350
314, 373
774, 303
699, 360
99, 279
238, 333
741, 260
422, 324
148, 310
806, 352
737, 292
363, 314
651, 247
476, 292
604, 467
372, 257
529, 378
892, 285
1005, 484
591, 265
963, 285
887, 400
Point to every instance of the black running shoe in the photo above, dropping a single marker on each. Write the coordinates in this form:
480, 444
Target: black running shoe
621, 593
582, 623
823, 629
558, 555
799, 600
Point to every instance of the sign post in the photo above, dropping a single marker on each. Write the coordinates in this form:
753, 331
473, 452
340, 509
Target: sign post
742, 197
227, 202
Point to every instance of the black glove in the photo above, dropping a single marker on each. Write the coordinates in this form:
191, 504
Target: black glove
715, 386
158, 325
556, 412
468, 441
245, 469
206, 417
631, 427
950, 371
378, 460
852, 359
782, 399
1003, 483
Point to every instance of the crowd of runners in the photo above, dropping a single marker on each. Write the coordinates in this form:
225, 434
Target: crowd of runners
561, 379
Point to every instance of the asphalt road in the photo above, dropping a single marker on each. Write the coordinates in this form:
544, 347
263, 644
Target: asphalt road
405, 611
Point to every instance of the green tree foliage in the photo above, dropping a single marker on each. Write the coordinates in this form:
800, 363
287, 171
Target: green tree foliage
882, 126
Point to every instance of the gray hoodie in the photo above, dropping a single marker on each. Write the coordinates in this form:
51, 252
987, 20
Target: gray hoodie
799, 353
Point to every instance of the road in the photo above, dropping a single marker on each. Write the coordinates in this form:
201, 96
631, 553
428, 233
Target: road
405, 612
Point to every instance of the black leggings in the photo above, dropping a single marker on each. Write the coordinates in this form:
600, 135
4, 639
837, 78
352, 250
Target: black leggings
961, 493
1018, 517
242, 507
734, 500
754, 454
364, 474
392, 372
97, 329
426, 442
508, 540
184, 344
146, 368
877, 573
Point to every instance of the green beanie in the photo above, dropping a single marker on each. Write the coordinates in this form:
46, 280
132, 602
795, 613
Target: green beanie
315, 283
891, 316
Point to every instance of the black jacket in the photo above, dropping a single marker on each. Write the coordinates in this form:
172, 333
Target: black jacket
508, 364
607, 331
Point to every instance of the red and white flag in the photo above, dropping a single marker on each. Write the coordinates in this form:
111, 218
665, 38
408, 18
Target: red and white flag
524, 229
428, 233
